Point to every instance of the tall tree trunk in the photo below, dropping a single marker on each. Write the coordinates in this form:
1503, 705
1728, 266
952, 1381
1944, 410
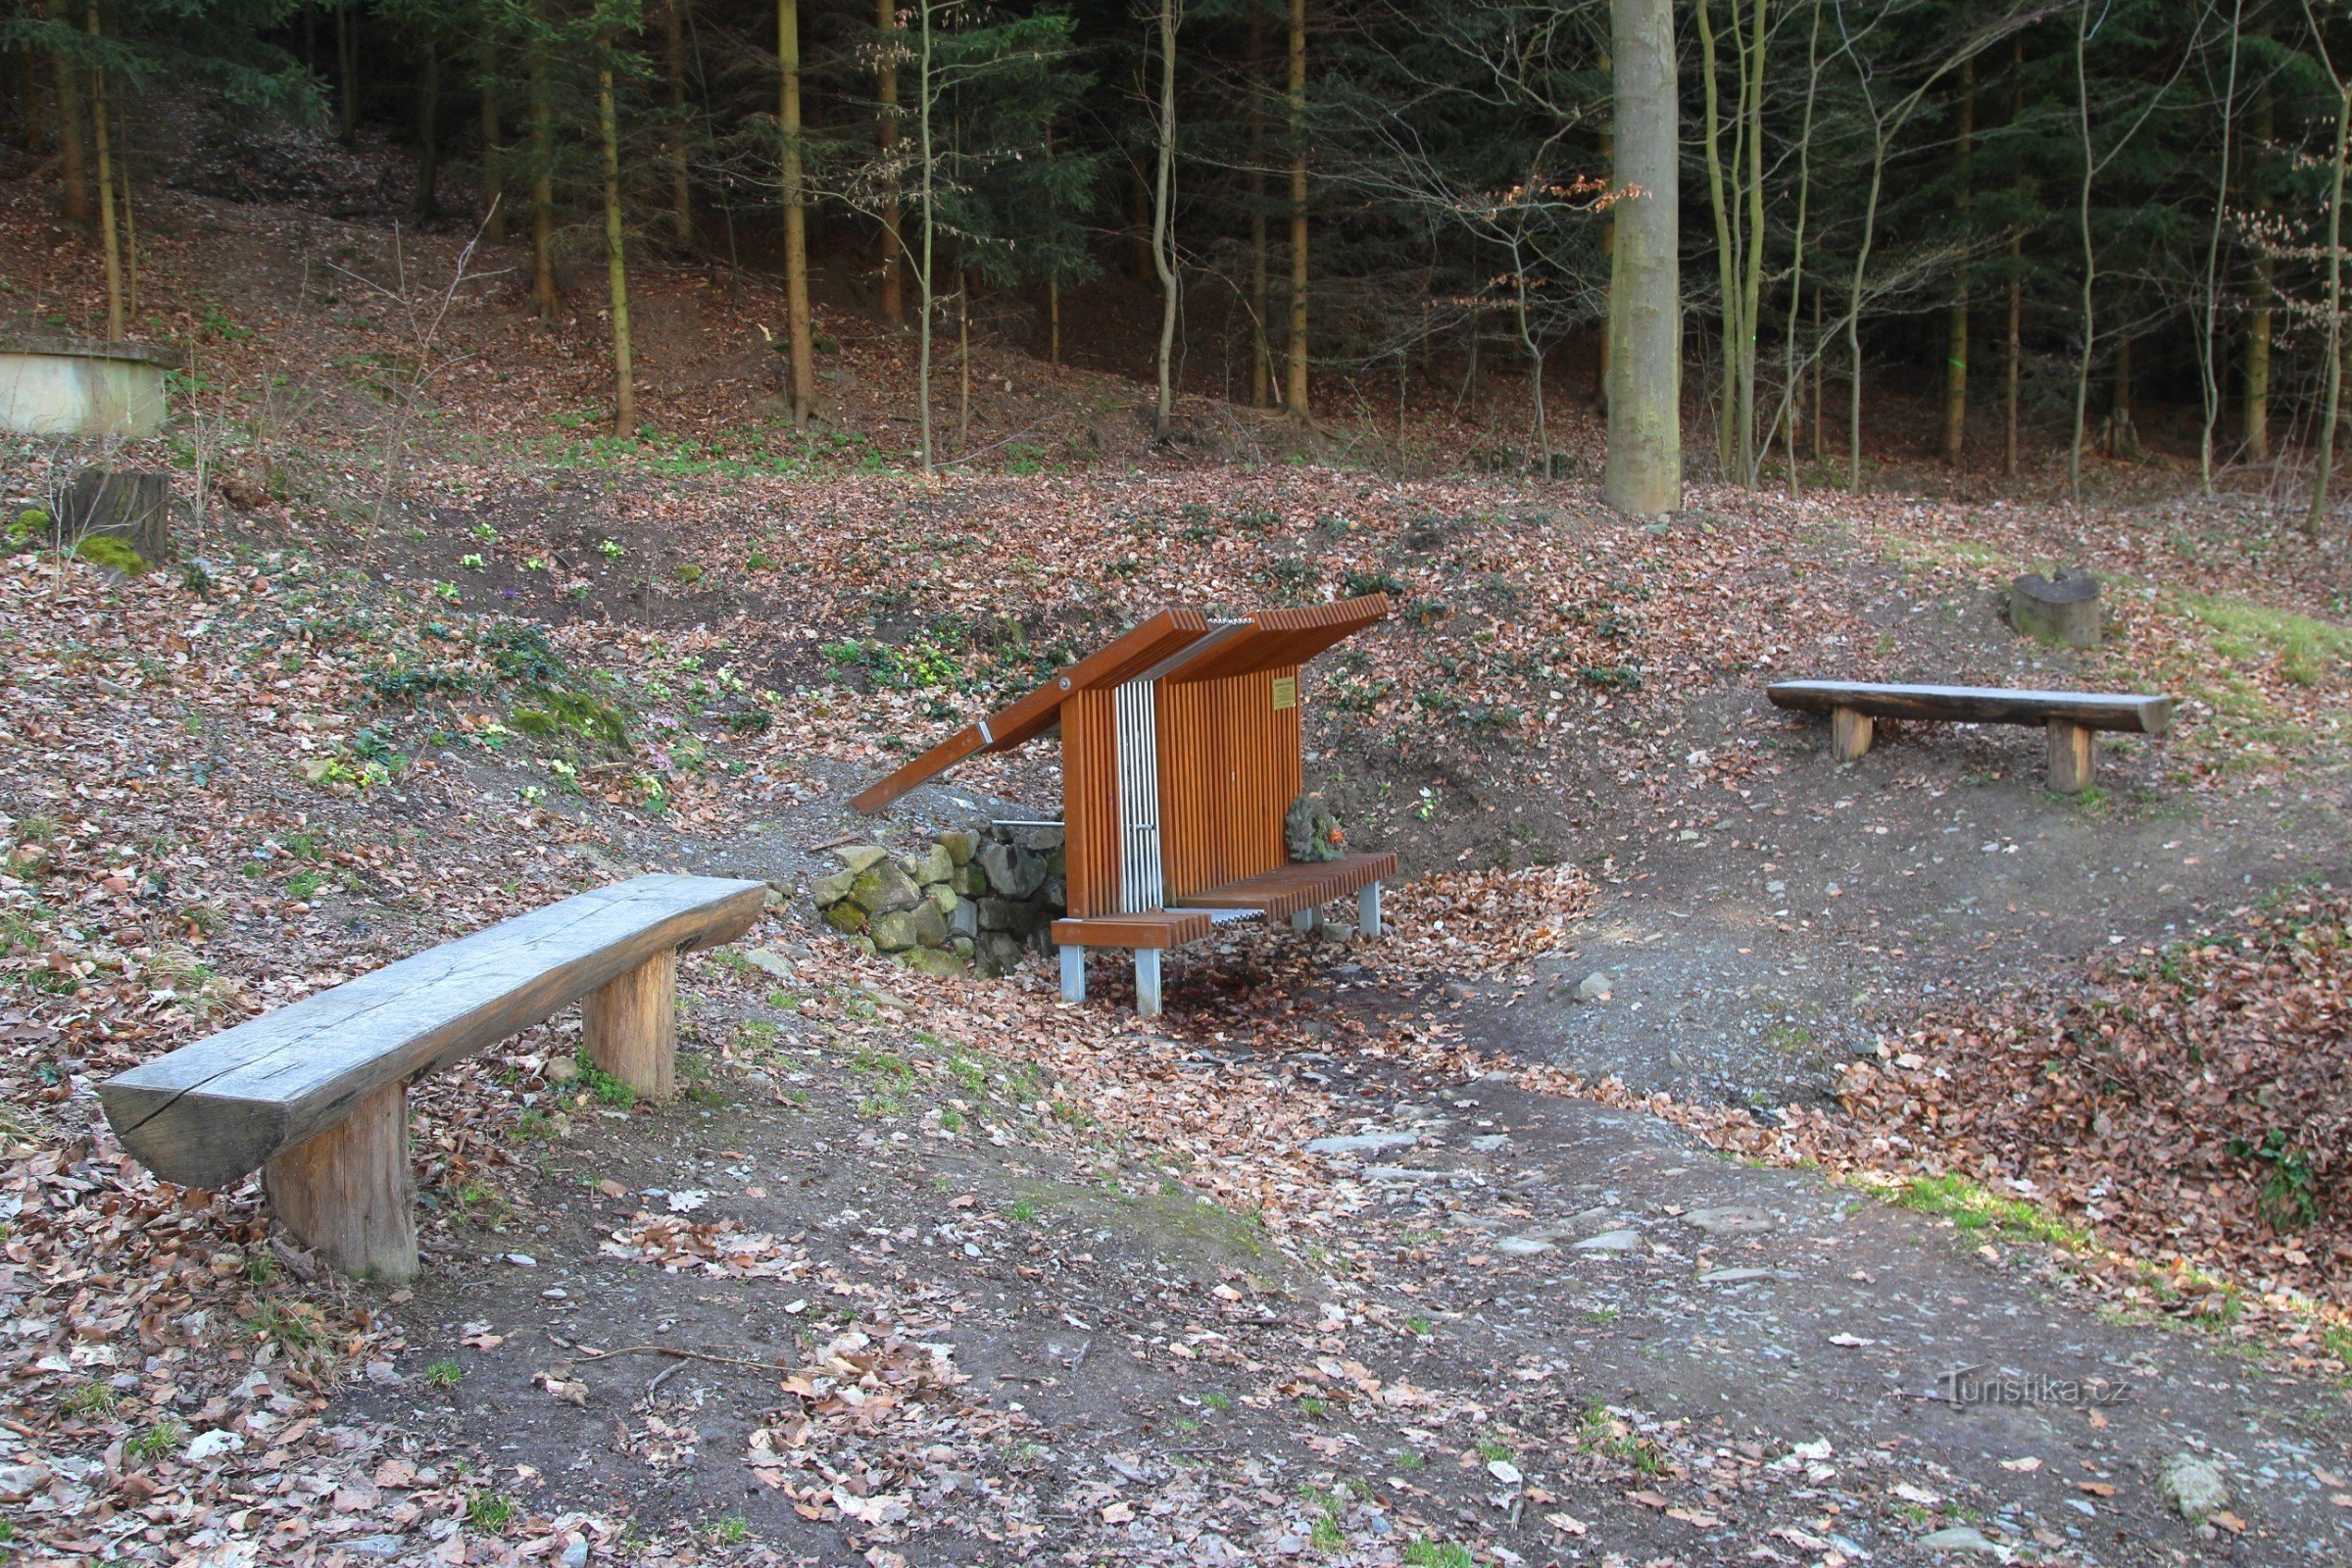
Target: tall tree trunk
1792, 392
2325, 462
1163, 237
1054, 320
543, 195
1821, 383
105, 196
617, 266
2090, 256
1608, 247
1262, 352
673, 146
963, 354
347, 71
494, 159
2209, 369
2012, 353
2013, 342
2256, 407
2123, 437
131, 225
1294, 393
885, 89
930, 222
429, 137
73, 182
1644, 473
1955, 334
1727, 255
796, 214
1751, 288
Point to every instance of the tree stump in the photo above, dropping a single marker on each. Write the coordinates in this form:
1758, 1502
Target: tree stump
349, 1195
2074, 756
2062, 609
1849, 733
630, 1024
134, 508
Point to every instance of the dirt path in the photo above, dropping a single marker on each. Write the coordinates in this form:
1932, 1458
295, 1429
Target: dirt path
1838, 901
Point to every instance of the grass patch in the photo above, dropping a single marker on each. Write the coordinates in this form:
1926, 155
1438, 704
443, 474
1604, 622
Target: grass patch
2307, 650
1977, 1210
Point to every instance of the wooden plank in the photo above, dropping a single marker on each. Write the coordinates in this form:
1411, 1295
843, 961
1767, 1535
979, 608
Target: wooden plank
1154, 928
207, 1114
1300, 885
1125, 655
2140, 714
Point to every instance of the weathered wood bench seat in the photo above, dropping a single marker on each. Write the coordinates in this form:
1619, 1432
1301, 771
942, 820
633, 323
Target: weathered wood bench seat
317, 1091
2071, 718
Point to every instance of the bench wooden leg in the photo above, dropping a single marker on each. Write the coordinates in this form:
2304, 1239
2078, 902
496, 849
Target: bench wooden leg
349, 1195
1367, 910
630, 1024
1073, 972
2074, 756
1147, 982
1849, 733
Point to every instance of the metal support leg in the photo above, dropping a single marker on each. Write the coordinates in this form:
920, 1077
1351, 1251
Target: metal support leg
1147, 982
1306, 919
1073, 972
1367, 910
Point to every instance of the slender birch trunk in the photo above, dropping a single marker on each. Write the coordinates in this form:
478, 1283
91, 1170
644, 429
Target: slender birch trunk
796, 214
2324, 463
1163, 239
1262, 352
1955, 335
886, 91
617, 266
674, 145
543, 195
930, 231
1294, 392
2209, 378
2255, 410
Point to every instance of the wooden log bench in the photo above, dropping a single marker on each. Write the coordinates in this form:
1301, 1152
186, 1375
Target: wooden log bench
316, 1094
2071, 718
1295, 892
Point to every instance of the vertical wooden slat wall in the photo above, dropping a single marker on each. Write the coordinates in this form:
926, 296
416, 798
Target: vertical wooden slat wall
1229, 768
1090, 801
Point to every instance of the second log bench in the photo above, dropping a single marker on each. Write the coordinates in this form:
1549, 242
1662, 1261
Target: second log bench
316, 1094
2071, 718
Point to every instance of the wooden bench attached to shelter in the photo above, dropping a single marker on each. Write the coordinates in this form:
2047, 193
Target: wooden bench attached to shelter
316, 1093
2071, 718
1182, 754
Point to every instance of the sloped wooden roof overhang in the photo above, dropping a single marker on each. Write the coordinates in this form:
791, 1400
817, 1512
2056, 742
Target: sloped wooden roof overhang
1176, 645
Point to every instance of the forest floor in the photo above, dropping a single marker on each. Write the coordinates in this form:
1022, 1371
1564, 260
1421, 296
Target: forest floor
919, 1270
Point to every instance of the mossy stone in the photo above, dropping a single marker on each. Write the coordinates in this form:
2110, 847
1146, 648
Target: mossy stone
861, 856
885, 889
933, 961
111, 554
846, 917
958, 844
832, 888
934, 865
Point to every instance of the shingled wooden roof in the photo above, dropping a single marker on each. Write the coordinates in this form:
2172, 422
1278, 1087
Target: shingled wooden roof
1177, 645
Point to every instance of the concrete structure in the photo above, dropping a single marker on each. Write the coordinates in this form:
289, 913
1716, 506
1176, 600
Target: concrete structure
66, 386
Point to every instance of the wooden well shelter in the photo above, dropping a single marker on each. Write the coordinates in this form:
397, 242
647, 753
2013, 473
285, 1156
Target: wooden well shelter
1181, 754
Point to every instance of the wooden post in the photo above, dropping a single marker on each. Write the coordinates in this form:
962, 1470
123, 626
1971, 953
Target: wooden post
1308, 919
2074, 756
348, 1193
632, 1026
1073, 972
1147, 982
1849, 733
1367, 910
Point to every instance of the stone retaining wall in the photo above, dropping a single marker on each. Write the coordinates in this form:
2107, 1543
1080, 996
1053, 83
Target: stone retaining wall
976, 899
